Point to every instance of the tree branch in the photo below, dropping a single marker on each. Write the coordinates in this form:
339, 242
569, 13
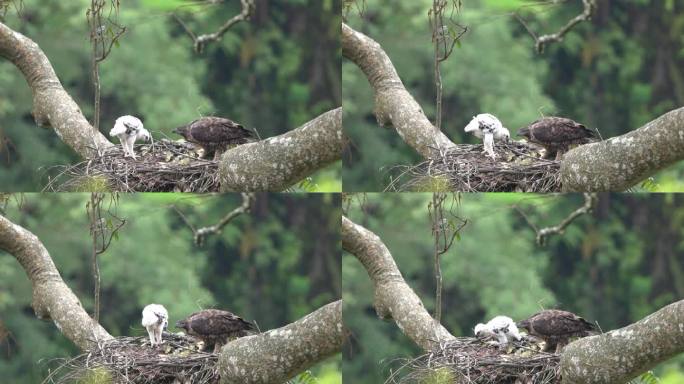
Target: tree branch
541, 41
278, 162
622, 354
52, 298
280, 354
200, 41
393, 299
201, 233
543, 233
394, 105
52, 105
623, 161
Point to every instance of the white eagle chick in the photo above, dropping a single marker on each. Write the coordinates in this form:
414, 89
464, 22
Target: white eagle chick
487, 127
155, 319
502, 328
129, 129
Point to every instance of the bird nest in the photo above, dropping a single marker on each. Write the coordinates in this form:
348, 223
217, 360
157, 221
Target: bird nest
163, 166
125, 360
468, 360
518, 167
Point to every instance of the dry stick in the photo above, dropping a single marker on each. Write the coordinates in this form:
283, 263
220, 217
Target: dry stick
200, 41
539, 42
543, 233
201, 233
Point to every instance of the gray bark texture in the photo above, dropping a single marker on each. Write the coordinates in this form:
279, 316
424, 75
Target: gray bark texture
279, 162
394, 105
52, 105
52, 298
623, 161
280, 354
393, 298
622, 354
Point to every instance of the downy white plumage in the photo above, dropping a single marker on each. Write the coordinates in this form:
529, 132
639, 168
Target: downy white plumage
155, 319
129, 129
487, 127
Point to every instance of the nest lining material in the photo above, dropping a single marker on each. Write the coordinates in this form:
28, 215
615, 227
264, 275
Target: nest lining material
519, 167
125, 360
163, 166
468, 360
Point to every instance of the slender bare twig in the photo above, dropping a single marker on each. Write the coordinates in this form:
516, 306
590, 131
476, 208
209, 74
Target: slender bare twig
102, 230
200, 234
445, 231
543, 233
199, 41
541, 41
104, 33
444, 38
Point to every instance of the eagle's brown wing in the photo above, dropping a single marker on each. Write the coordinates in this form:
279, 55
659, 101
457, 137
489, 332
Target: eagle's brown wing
218, 130
216, 322
557, 323
559, 130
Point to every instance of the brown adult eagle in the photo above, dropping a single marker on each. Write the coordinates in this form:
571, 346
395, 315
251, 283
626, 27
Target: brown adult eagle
215, 134
557, 134
556, 327
215, 327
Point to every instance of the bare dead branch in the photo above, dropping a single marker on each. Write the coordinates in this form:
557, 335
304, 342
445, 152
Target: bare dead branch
393, 298
199, 42
202, 233
542, 234
541, 41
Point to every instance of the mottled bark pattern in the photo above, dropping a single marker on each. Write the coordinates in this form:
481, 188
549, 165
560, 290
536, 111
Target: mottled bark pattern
280, 354
620, 355
623, 161
394, 299
52, 105
394, 105
52, 298
279, 162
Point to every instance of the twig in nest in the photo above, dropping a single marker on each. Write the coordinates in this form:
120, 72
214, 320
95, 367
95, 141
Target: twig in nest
466, 169
164, 166
468, 360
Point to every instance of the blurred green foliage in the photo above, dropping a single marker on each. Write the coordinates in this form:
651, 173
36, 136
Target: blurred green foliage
273, 73
272, 266
616, 265
615, 73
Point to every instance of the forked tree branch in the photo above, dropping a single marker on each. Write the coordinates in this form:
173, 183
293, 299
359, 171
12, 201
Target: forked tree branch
543, 233
541, 41
52, 298
279, 162
200, 41
200, 234
393, 298
52, 105
280, 354
394, 105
